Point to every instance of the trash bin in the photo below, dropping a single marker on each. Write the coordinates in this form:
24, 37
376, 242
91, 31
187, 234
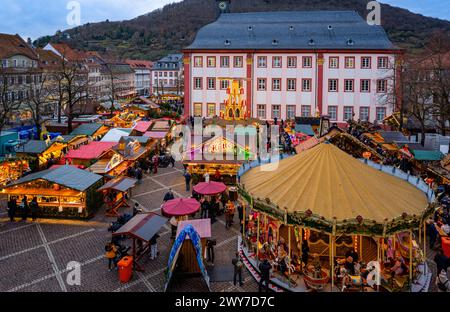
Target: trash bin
125, 269
446, 246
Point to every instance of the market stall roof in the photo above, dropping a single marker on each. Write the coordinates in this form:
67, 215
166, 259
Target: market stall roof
161, 125
90, 151
86, 129
35, 147
114, 135
143, 126
202, 226
143, 226
427, 155
411, 145
210, 188
180, 207
67, 176
306, 129
332, 184
155, 134
392, 136
141, 139
121, 184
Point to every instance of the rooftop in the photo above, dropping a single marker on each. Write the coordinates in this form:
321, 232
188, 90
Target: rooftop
291, 30
11, 45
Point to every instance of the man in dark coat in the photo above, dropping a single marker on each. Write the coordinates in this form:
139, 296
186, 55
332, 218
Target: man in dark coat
187, 178
238, 266
168, 196
442, 261
12, 208
34, 207
240, 209
264, 268
24, 208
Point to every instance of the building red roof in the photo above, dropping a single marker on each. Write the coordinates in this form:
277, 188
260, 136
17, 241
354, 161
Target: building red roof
137, 64
11, 45
91, 151
68, 53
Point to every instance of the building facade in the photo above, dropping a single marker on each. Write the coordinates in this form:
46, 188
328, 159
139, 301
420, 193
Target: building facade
167, 75
292, 64
142, 76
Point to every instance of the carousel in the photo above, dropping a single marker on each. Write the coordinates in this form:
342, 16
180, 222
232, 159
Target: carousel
326, 220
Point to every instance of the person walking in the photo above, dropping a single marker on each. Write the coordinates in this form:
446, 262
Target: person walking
24, 208
169, 196
210, 243
187, 178
172, 160
154, 247
111, 255
34, 208
264, 269
12, 208
238, 266
155, 163
240, 209
139, 175
205, 206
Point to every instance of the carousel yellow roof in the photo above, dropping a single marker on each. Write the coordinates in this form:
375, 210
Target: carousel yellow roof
330, 183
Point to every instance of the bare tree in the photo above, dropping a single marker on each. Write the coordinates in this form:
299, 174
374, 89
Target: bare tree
111, 87
9, 101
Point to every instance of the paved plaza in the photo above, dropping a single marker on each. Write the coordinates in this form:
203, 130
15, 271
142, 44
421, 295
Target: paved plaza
34, 256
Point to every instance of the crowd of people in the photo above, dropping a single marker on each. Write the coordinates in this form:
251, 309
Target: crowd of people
24, 210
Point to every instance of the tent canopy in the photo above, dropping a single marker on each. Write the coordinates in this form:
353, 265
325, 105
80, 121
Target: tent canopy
202, 226
427, 155
306, 129
332, 184
143, 226
210, 188
121, 184
181, 207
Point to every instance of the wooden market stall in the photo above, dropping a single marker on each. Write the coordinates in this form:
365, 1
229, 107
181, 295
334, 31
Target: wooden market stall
94, 131
336, 203
40, 152
88, 154
110, 163
62, 192
72, 141
115, 191
12, 169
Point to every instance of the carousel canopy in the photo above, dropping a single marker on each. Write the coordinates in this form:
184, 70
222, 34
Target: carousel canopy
210, 188
332, 184
181, 207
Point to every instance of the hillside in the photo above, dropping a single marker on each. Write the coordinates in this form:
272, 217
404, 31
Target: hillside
173, 27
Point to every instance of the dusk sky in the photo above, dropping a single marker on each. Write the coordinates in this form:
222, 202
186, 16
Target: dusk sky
35, 18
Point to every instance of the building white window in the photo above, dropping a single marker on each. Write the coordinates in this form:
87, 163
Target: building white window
366, 62
171, 74
381, 113
211, 109
276, 61
15, 63
198, 83
332, 85
365, 85
198, 109
334, 62
211, 61
348, 85
307, 61
276, 84
290, 112
306, 85
332, 112
383, 62
262, 61
211, 83
225, 61
292, 61
262, 111
349, 62
306, 111
24, 63
5, 63
381, 86
364, 113
276, 111
238, 61
198, 61
348, 113
160, 74
165, 74
262, 84
292, 84
224, 84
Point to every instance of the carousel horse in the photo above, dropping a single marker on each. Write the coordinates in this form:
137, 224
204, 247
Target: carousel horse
442, 282
314, 276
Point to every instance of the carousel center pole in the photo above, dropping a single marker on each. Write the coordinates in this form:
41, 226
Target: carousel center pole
410, 258
257, 240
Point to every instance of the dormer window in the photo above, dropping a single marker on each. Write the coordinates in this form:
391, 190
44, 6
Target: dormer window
311, 42
330, 27
275, 42
250, 28
227, 42
350, 42
291, 28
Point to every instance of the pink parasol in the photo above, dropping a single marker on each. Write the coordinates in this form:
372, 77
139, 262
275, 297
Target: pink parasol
210, 188
181, 207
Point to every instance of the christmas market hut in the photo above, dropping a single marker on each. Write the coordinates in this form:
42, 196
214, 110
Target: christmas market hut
62, 192
86, 155
39, 153
93, 130
11, 169
337, 203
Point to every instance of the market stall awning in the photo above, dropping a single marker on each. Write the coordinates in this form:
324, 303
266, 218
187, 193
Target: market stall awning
114, 135
87, 129
143, 226
427, 155
180, 207
143, 126
332, 184
306, 129
155, 134
210, 188
202, 226
121, 184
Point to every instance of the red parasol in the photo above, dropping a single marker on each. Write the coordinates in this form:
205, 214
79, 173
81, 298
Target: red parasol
181, 207
210, 188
